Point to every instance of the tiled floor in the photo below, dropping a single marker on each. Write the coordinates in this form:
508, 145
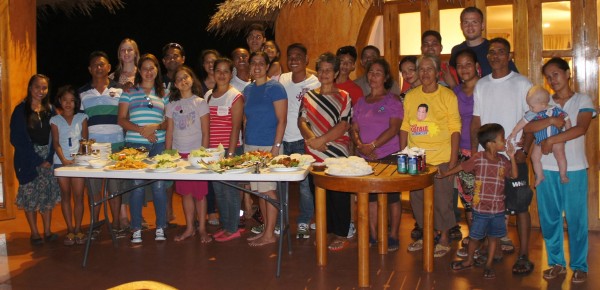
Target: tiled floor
235, 265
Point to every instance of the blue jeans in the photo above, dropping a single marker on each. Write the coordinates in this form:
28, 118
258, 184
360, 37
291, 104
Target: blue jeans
307, 199
229, 202
159, 194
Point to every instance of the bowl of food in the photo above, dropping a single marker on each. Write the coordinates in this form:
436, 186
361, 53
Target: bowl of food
319, 166
98, 163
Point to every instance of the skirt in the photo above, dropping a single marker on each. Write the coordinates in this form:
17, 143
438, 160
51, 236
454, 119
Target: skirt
42, 193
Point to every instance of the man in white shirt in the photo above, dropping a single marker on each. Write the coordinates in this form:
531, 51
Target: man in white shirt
296, 83
500, 98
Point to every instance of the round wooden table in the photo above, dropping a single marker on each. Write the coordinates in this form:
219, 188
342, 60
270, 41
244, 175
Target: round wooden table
384, 179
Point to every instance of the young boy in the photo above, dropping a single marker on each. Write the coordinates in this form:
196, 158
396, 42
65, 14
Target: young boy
537, 99
491, 169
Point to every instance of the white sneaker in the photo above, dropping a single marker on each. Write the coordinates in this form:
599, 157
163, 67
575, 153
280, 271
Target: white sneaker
136, 238
277, 230
351, 230
160, 235
313, 226
303, 231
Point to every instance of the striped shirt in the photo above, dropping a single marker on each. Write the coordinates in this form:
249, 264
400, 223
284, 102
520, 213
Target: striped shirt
220, 117
323, 112
488, 193
102, 109
142, 113
551, 111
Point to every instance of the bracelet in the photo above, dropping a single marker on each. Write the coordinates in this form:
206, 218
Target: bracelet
373, 144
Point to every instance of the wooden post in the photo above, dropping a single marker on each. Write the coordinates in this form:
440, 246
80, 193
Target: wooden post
382, 223
17, 65
520, 48
430, 16
321, 230
536, 41
391, 32
363, 237
428, 229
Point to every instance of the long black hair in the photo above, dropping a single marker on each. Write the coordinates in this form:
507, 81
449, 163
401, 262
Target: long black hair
68, 89
158, 83
45, 109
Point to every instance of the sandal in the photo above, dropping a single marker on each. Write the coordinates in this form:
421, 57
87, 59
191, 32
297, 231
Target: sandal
507, 245
489, 273
553, 272
522, 266
50, 238
338, 245
579, 277
36, 241
459, 266
393, 244
415, 246
440, 251
69, 239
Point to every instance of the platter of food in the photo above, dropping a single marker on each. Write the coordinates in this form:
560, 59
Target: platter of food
237, 170
245, 161
127, 165
347, 174
129, 154
163, 170
284, 169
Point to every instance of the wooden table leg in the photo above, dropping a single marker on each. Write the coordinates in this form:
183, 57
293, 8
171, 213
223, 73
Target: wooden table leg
320, 219
428, 229
363, 239
382, 223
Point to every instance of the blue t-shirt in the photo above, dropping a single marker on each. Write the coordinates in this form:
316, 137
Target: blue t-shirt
481, 51
68, 135
261, 122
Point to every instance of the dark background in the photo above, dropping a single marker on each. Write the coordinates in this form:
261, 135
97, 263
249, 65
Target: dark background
65, 42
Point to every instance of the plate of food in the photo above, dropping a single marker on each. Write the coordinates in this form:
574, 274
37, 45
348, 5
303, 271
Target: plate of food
348, 173
167, 155
164, 170
127, 165
237, 170
284, 169
129, 154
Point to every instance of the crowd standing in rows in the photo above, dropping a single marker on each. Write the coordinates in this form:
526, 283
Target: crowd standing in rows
467, 114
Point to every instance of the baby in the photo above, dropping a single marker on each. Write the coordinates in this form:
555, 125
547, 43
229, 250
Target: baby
537, 99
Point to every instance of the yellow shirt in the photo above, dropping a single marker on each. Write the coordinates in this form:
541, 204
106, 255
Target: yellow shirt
430, 119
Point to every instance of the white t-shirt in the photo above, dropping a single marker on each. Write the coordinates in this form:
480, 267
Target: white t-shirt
238, 83
574, 149
501, 100
295, 93
187, 127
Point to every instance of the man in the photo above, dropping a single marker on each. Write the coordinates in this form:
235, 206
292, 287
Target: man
347, 56
472, 26
255, 37
368, 54
298, 82
241, 79
500, 98
100, 101
431, 43
173, 59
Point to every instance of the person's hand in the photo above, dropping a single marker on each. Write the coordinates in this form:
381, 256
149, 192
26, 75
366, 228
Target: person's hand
317, 143
440, 174
148, 131
274, 151
127, 86
557, 122
546, 146
45, 164
520, 156
510, 149
68, 162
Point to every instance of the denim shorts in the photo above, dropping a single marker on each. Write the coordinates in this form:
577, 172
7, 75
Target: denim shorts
484, 224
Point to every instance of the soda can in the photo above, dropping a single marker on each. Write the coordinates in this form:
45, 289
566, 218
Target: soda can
420, 166
413, 165
402, 163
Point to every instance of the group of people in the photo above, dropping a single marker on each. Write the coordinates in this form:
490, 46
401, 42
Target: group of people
475, 115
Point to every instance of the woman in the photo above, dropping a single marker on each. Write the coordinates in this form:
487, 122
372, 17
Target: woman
141, 112
30, 135
555, 197
126, 70
432, 121
323, 122
266, 116
467, 68
376, 123
206, 71
408, 68
272, 50
226, 114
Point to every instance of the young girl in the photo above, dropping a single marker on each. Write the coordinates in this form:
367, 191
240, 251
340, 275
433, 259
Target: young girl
226, 113
272, 50
67, 128
188, 129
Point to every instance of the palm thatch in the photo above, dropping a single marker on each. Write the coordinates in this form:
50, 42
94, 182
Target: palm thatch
71, 7
235, 15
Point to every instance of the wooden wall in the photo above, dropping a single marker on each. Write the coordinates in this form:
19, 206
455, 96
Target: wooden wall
17, 64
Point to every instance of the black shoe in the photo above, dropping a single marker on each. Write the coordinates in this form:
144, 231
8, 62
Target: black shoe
416, 233
36, 241
455, 233
51, 238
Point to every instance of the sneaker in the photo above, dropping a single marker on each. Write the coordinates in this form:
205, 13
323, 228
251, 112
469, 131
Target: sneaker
80, 238
69, 239
119, 233
277, 230
95, 233
160, 235
258, 229
351, 231
313, 226
136, 237
303, 231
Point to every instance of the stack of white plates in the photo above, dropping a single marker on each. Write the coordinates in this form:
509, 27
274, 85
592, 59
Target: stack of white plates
84, 159
103, 148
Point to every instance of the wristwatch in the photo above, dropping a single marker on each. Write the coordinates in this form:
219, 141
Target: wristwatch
278, 145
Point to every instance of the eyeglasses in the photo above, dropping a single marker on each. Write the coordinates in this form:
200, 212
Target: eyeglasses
150, 105
255, 37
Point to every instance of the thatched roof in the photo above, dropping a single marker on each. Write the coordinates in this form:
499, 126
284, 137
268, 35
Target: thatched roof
234, 15
70, 7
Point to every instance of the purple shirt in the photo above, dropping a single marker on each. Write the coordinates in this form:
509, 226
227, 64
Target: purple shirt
465, 108
373, 119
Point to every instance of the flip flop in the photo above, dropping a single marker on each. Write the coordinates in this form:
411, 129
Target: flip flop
522, 266
440, 251
489, 273
224, 238
338, 245
459, 266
